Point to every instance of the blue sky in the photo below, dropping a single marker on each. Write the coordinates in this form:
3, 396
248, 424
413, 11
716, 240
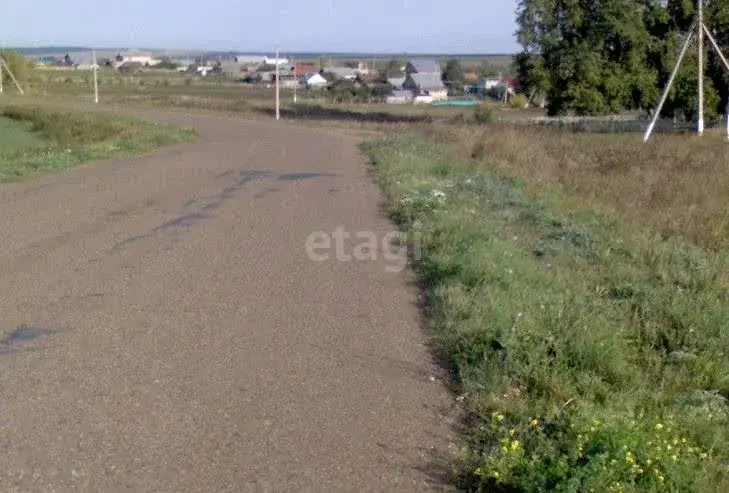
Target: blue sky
465, 26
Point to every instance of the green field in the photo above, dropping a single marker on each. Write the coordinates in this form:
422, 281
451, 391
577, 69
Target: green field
18, 135
39, 140
576, 286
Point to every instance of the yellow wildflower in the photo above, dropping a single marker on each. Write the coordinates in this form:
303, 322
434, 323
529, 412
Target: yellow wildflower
659, 426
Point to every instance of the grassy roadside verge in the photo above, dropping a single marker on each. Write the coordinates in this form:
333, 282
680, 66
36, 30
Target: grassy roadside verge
73, 137
593, 355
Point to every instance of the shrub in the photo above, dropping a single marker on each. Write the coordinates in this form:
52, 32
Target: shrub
483, 115
479, 151
518, 101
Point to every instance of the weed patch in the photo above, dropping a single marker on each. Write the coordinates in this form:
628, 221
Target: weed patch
592, 355
70, 138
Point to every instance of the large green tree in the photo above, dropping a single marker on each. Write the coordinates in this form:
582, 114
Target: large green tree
602, 56
589, 57
453, 76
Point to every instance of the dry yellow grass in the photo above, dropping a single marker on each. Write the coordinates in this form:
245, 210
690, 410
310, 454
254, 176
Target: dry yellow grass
677, 184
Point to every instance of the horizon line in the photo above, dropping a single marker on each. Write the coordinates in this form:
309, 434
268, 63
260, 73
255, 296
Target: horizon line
71, 48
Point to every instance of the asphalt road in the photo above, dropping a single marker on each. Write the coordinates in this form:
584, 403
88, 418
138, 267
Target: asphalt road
164, 330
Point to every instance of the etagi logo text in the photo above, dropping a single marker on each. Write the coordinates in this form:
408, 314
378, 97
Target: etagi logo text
361, 246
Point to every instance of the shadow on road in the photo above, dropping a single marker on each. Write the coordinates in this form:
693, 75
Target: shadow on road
323, 113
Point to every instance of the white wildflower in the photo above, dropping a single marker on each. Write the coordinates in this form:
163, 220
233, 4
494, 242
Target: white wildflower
438, 195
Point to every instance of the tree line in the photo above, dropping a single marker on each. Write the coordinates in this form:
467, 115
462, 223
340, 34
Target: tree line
597, 57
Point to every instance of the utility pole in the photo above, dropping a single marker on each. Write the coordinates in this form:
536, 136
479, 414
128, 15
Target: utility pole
296, 78
96, 79
278, 111
703, 31
701, 68
10, 73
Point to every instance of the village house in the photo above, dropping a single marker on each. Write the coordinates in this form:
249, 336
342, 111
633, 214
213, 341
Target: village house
134, 56
426, 84
396, 82
343, 72
305, 69
317, 81
423, 81
423, 66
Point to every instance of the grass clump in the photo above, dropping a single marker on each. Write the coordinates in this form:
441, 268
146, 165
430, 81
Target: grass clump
592, 355
484, 115
66, 138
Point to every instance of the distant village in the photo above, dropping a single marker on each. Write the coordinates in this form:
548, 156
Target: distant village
413, 81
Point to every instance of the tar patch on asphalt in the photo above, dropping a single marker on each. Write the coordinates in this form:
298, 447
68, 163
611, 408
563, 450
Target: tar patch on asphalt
23, 337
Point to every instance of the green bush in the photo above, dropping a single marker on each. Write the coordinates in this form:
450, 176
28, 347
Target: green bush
518, 101
484, 115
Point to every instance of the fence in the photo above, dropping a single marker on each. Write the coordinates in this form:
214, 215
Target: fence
621, 124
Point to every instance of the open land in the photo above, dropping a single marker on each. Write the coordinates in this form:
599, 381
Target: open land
573, 288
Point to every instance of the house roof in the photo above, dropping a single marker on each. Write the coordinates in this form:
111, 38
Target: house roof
428, 82
305, 68
424, 66
316, 79
396, 81
370, 78
512, 82
342, 71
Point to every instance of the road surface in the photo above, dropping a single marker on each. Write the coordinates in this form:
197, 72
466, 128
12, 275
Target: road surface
164, 330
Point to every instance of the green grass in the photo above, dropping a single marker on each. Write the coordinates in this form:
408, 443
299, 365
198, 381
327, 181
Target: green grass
17, 135
592, 356
61, 139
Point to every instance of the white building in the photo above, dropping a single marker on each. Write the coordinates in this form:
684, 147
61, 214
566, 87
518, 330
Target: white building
251, 59
317, 80
137, 57
275, 61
